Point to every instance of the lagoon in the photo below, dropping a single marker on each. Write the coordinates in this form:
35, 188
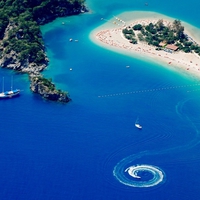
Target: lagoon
55, 151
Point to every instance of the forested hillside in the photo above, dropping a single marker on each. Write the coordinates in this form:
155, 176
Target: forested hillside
21, 43
22, 17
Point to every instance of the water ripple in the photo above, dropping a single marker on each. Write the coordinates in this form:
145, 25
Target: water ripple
138, 175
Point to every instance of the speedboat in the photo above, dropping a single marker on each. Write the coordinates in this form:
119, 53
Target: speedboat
138, 126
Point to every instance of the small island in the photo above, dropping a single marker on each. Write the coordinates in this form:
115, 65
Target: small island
47, 89
21, 43
154, 37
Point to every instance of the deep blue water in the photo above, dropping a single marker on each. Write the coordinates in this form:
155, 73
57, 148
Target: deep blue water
56, 151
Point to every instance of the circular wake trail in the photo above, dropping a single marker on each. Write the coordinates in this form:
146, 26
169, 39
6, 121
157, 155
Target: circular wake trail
138, 175
131, 174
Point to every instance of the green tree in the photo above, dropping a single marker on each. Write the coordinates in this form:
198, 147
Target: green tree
137, 27
160, 25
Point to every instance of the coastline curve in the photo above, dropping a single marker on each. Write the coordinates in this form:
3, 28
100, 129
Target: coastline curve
109, 35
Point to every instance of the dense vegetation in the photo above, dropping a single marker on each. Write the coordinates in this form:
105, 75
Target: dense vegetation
47, 89
153, 34
48, 83
24, 17
21, 44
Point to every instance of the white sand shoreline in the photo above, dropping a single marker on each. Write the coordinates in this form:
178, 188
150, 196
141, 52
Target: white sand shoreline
110, 36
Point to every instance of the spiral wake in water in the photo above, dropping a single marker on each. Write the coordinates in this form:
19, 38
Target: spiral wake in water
138, 175
127, 173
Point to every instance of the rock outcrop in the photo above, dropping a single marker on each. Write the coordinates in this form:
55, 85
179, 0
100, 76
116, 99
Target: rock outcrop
47, 89
11, 61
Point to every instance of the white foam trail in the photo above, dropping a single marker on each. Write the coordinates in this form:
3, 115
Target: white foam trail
133, 179
127, 174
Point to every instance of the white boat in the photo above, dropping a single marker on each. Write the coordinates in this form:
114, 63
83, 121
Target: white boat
137, 125
10, 93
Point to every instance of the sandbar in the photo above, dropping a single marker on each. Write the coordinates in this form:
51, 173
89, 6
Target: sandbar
109, 35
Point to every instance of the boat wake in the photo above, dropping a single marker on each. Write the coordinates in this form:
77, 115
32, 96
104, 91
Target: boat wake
143, 175
138, 175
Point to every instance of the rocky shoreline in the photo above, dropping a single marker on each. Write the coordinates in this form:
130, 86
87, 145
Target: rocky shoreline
53, 16
47, 89
12, 61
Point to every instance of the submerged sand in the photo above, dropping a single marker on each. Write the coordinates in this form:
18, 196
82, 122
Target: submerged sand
109, 35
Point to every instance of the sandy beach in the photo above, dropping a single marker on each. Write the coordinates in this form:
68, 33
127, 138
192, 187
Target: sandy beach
110, 36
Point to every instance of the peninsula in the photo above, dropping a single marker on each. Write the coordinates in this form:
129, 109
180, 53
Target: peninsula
152, 36
21, 44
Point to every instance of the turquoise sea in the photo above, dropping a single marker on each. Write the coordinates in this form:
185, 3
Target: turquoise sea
90, 148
